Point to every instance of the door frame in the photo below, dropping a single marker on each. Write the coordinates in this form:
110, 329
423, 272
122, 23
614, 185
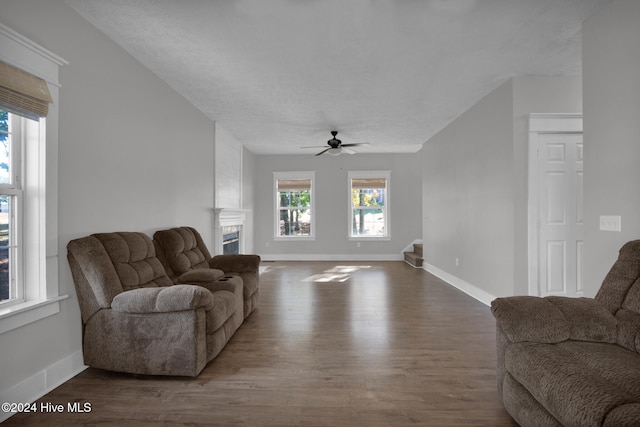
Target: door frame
542, 123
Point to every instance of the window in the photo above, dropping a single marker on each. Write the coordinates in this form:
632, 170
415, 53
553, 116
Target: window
369, 205
294, 217
28, 181
10, 199
22, 212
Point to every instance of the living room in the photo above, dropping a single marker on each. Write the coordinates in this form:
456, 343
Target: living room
132, 171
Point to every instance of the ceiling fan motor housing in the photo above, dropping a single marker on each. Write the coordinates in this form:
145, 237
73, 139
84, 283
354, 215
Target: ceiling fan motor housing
334, 142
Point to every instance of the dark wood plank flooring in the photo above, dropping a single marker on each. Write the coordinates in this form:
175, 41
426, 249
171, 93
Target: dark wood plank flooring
330, 344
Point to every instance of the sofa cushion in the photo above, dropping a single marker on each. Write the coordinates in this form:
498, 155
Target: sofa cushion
181, 249
624, 274
554, 319
579, 383
95, 278
587, 319
628, 327
134, 258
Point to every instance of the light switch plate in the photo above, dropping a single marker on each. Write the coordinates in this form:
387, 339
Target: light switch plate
610, 223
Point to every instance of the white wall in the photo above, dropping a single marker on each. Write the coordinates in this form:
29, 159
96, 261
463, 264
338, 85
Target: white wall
133, 155
475, 185
611, 70
228, 170
332, 195
248, 198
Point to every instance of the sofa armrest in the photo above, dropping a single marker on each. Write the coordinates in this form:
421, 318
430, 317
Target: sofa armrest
163, 299
553, 319
200, 276
236, 263
230, 285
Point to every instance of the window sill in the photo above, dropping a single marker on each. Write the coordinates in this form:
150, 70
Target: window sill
19, 315
365, 238
294, 238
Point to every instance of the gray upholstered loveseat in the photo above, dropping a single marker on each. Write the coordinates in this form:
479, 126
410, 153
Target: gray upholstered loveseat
136, 320
574, 361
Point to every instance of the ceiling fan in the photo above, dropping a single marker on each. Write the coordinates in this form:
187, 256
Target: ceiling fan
336, 147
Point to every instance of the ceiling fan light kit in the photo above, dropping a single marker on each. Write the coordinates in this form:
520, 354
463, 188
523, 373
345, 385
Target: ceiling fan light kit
336, 147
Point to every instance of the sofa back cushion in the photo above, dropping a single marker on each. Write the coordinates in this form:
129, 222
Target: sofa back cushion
620, 294
94, 275
182, 249
134, 259
624, 276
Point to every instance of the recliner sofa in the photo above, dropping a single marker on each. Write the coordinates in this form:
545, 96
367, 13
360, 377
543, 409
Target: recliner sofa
573, 361
136, 320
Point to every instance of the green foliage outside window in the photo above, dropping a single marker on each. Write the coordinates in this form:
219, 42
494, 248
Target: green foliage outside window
294, 213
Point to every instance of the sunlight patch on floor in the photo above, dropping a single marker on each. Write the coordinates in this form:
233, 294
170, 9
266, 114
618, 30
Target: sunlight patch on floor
339, 273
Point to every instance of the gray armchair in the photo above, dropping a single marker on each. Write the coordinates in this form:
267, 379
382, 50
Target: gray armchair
135, 320
185, 257
573, 361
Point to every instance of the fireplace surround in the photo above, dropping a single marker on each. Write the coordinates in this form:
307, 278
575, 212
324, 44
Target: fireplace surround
228, 222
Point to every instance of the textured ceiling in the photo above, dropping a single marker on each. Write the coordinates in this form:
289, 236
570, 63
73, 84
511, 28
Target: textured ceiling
281, 74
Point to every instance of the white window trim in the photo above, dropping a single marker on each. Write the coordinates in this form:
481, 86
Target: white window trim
311, 175
42, 295
387, 203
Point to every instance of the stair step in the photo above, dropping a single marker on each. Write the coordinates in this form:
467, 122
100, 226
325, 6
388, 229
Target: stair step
417, 248
413, 258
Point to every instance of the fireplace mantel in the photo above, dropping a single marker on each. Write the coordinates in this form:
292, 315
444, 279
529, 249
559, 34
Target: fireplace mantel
227, 217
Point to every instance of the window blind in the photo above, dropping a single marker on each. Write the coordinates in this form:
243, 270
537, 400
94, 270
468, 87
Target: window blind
23, 93
285, 185
368, 183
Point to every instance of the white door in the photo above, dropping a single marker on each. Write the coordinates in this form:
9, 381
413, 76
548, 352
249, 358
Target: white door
559, 213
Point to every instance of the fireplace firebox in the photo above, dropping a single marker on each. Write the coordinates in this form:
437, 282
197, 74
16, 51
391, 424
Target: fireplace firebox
231, 240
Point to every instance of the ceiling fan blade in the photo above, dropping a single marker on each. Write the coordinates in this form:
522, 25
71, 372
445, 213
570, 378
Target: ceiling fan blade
323, 151
361, 144
315, 146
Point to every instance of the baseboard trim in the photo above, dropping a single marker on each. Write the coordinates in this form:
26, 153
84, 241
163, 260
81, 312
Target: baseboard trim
42, 382
408, 263
331, 257
469, 289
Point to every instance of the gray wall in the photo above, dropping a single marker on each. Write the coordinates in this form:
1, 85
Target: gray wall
248, 198
468, 195
143, 175
611, 70
332, 195
533, 95
133, 155
475, 184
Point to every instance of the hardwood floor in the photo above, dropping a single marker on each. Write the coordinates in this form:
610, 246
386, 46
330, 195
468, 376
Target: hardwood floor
330, 344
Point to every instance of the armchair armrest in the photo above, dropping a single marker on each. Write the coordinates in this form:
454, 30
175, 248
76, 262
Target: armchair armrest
236, 263
163, 299
553, 319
